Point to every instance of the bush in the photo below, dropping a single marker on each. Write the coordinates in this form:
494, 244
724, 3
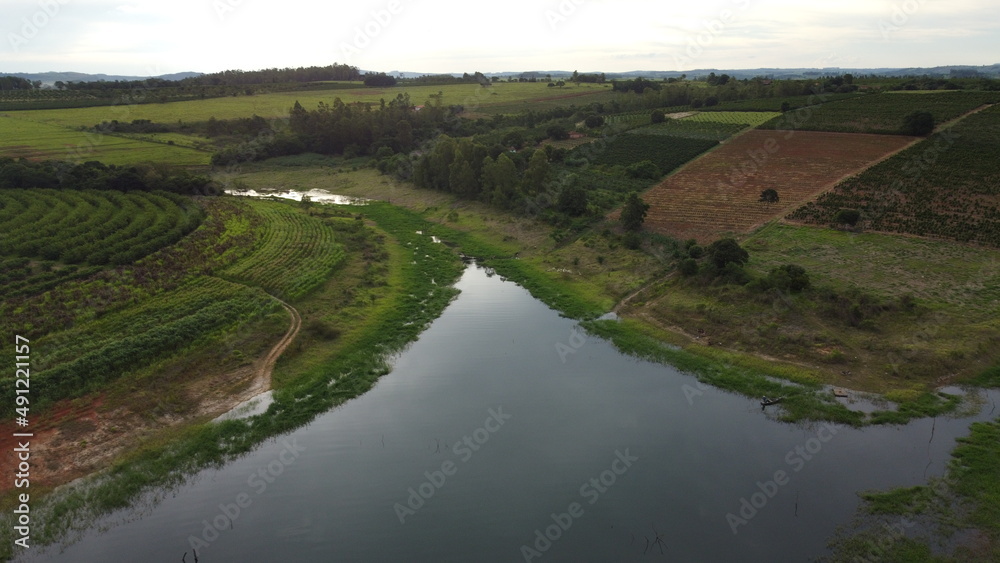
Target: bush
594, 121
695, 251
727, 251
688, 267
789, 277
632, 240
847, 217
645, 170
657, 116
918, 124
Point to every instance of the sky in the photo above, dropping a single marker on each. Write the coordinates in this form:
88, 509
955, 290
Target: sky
153, 37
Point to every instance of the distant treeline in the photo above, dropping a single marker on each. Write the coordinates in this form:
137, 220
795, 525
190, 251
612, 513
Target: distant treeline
337, 72
21, 173
340, 128
16, 83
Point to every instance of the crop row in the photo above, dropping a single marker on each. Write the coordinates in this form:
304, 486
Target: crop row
666, 152
881, 113
745, 118
96, 227
945, 186
706, 130
105, 350
296, 252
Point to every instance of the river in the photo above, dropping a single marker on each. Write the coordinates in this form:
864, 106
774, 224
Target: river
505, 434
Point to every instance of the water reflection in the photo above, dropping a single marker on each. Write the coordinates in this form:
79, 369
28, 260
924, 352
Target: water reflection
315, 195
709, 477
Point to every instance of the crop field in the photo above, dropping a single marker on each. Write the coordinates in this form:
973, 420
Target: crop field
92, 227
296, 252
96, 324
946, 186
276, 105
84, 358
775, 104
720, 192
745, 118
24, 138
881, 113
706, 130
664, 151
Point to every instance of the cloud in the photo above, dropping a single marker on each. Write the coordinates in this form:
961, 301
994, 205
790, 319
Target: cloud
125, 36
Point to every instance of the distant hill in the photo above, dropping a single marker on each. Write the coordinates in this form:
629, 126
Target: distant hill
50, 78
954, 71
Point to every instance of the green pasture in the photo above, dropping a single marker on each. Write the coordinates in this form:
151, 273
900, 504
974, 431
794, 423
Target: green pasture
22, 136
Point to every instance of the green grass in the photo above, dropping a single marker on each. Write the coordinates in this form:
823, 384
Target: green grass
968, 499
58, 138
937, 272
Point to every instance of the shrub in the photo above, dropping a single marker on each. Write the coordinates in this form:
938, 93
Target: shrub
727, 251
789, 277
847, 217
688, 267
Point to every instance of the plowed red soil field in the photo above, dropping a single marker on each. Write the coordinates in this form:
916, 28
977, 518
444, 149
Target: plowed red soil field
719, 193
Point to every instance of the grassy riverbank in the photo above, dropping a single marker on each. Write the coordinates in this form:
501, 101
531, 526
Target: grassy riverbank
955, 519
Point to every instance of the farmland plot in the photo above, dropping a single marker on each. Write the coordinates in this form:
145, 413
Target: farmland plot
945, 186
720, 192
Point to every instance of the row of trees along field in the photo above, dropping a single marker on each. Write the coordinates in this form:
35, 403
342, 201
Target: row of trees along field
351, 129
93, 175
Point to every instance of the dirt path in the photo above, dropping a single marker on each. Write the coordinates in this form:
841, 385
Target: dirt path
76, 438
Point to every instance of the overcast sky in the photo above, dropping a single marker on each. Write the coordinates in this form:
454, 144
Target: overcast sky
151, 37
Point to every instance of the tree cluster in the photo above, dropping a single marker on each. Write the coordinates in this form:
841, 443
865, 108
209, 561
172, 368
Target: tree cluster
92, 175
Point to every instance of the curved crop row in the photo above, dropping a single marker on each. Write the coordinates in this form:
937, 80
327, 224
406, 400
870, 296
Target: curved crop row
92, 227
296, 253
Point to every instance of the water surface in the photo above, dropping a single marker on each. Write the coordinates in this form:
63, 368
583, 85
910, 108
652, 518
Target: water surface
675, 457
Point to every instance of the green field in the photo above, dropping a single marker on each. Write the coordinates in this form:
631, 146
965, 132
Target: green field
881, 113
945, 186
276, 105
99, 324
747, 118
59, 138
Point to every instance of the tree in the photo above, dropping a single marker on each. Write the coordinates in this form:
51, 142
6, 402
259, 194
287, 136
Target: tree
380, 80
918, 124
657, 116
769, 195
537, 173
634, 212
594, 121
645, 170
789, 277
847, 217
727, 251
499, 180
557, 132
573, 200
